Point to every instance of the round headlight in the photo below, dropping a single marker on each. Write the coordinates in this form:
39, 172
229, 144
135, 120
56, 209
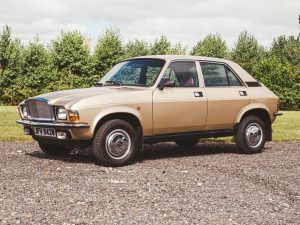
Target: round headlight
61, 114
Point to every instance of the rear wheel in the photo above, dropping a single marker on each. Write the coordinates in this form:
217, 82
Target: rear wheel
187, 143
251, 135
115, 143
52, 149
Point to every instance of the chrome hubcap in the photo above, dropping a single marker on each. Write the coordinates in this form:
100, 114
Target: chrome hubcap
118, 143
254, 134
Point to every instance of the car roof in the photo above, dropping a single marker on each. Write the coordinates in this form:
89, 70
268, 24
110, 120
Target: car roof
183, 57
237, 68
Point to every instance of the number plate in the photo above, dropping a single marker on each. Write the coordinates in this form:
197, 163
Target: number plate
40, 131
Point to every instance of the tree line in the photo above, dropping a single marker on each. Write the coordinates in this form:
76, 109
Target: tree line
68, 62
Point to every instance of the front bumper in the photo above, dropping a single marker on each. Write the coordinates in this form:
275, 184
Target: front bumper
75, 133
278, 114
55, 125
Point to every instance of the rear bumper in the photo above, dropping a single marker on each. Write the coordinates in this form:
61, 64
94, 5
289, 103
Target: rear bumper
54, 125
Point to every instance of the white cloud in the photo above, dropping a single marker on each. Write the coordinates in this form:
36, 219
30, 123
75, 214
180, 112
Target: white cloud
186, 21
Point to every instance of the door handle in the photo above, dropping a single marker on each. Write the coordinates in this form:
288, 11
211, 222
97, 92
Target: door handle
198, 94
243, 93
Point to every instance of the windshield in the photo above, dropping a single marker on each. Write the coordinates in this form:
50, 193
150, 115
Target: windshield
138, 72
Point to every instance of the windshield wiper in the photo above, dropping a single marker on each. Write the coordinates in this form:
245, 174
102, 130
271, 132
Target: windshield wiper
114, 82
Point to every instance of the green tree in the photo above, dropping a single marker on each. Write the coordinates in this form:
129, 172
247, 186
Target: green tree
109, 50
161, 46
5, 47
247, 51
280, 77
63, 80
37, 73
212, 46
69, 52
11, 58
35, 56
178, 49
287, 49
136, 48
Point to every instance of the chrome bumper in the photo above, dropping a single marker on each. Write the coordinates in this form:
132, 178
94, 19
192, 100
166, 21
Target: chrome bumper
278, 114
58, 125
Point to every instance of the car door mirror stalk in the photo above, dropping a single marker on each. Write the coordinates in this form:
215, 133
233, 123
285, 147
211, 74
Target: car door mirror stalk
166, 83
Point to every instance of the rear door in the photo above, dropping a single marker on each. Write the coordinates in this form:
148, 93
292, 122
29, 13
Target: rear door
226, 95
182, 108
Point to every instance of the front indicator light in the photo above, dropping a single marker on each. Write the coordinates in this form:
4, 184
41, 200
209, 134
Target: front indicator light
73, 116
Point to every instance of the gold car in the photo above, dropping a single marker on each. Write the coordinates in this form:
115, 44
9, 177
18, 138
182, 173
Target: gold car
153, 99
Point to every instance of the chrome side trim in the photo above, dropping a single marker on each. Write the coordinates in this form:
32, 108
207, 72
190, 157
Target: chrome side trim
278, 113
198, 134
59, 125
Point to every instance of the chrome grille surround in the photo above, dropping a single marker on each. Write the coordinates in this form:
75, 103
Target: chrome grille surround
39, 109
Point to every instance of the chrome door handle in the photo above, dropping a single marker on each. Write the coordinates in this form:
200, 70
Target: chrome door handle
243, 93
198, 94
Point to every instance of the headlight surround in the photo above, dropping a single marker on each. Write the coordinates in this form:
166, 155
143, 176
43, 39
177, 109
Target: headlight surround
61, 113
24, 112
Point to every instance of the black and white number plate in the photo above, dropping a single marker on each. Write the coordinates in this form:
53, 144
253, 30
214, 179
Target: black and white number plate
40, 131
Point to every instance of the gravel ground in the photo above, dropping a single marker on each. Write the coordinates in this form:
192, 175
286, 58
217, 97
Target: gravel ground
210, 184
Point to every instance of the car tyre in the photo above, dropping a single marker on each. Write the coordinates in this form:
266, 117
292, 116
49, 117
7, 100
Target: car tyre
187, 143
54, 150
115, 143
251, 135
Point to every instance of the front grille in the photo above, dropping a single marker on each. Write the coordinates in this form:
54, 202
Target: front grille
39, 109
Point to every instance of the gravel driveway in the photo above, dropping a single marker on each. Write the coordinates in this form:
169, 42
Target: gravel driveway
210, 184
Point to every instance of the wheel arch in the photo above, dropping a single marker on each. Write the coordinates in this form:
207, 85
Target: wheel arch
261, 112
127, 114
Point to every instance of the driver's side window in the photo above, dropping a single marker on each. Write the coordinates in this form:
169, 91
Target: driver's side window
169, 74
183, 73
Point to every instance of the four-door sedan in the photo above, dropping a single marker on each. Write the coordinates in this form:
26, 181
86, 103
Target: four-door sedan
153, 99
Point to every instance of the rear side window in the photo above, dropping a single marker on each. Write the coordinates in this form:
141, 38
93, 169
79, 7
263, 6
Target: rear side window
218, 75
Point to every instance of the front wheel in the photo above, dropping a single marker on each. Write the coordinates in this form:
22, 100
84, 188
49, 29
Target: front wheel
54, 150
251, 135
115, 143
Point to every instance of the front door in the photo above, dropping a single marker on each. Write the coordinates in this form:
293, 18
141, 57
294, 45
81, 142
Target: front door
182, 108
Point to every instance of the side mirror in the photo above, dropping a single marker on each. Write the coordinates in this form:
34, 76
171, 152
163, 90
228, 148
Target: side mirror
166, 83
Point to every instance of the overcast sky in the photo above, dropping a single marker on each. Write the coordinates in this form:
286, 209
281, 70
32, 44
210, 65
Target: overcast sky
187, 21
